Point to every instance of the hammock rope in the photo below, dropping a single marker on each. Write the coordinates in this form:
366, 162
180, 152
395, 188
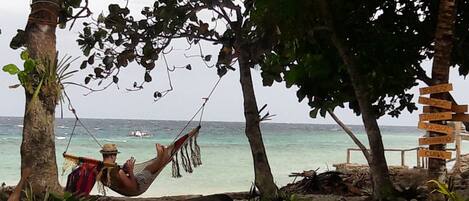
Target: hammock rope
200, 110
77, 121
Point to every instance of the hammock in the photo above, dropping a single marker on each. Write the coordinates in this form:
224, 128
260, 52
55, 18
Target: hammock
183, 145
185, 153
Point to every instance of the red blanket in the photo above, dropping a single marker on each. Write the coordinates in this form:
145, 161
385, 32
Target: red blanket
81, 180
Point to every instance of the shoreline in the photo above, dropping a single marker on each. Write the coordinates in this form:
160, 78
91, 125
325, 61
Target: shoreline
355, 180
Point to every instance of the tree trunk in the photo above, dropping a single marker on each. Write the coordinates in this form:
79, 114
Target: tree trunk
440, 73
382, 185
38, 145
263, 176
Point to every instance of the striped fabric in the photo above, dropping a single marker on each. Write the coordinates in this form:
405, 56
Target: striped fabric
82, 179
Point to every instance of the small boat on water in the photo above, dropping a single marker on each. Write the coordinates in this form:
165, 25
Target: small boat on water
138, 133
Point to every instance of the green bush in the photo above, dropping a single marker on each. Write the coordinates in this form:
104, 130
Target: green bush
449, 195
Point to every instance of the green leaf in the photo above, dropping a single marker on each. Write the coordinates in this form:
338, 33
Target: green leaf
157, 94
87, 50
208, 57
314, 113
67, 195
115, 79
147, 77
11, 68
101, 18
23, 77
75, 3
19, 40
98, 72
323, 112
114, 8
24, 55
83, 65
29, 65
87, 80
62, 25
91, 59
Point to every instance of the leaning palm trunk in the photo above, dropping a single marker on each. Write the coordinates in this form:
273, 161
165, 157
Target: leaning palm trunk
440, 73
38, 145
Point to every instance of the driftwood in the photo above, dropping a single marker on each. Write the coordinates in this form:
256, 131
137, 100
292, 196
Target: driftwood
309, 173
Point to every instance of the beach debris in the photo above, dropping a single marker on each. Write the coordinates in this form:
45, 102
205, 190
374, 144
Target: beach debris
330, 182
5, 191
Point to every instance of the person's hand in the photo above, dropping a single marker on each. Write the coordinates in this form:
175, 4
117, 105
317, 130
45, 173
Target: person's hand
129, 164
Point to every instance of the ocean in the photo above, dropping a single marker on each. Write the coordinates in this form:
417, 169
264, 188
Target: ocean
227, 161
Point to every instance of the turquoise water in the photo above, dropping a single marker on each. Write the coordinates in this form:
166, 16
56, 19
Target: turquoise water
227, 162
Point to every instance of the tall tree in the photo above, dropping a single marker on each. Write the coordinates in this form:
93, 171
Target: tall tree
41, 83
118, 39
333, 38
332, 64
372, 48
38, 145
440, 72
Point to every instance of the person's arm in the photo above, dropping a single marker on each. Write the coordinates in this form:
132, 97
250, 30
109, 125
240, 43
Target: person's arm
128, 177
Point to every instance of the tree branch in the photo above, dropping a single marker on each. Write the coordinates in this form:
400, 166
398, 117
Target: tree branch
351, 135
223, 14
90, 90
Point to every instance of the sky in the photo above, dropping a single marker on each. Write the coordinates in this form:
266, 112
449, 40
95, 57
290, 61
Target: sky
190, 87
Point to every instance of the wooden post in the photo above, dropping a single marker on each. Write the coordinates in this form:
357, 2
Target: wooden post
418, 159
457, 135
348, 156
402, 158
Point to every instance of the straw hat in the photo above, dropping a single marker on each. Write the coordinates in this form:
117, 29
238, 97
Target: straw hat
109, 149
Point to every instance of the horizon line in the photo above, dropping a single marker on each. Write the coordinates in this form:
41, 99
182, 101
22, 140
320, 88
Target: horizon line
142, 119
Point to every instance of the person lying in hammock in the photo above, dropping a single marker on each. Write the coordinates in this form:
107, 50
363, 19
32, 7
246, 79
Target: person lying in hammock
126, 180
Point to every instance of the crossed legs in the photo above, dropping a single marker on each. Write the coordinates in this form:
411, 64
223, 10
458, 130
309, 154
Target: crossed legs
165, 154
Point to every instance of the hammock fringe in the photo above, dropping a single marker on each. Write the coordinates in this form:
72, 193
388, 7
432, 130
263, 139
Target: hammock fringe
190, 157
69, 164
196, 155
176, 172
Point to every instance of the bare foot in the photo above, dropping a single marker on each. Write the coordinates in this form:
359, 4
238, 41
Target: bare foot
165, 153
159, 150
